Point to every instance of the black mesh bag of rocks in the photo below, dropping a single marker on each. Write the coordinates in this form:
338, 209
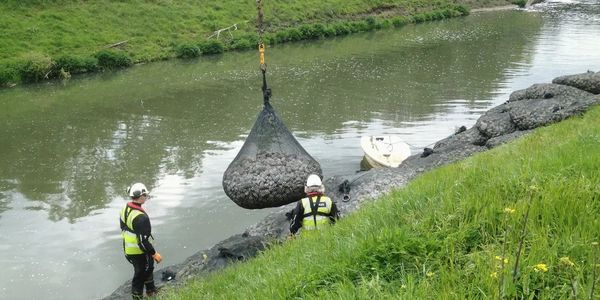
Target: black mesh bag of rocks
271, 168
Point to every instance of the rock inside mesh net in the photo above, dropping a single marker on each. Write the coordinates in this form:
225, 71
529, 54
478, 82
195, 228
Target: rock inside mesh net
271, 168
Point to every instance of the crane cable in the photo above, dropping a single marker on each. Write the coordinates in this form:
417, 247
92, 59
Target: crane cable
261, 51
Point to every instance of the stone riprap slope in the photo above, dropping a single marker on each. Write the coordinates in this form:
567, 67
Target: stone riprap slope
525, 110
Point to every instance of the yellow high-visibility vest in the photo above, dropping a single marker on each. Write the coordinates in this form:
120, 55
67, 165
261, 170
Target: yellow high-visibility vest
312, 221
131, 241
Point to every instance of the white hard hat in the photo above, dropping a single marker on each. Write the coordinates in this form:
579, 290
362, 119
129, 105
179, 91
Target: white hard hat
313, 180
137, 189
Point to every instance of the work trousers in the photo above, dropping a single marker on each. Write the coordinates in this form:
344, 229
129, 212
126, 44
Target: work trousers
143, 269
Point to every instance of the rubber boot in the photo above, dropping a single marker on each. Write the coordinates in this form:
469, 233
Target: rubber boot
152, 293
137, 296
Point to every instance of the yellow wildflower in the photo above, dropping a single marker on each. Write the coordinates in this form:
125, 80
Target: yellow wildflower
430, 274
494, 275
540, 268
509, 210
499, 258
403, 286
595, 244
533, 187
566, 261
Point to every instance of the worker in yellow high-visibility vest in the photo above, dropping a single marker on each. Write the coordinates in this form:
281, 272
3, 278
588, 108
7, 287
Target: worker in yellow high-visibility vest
137, 233
314, 211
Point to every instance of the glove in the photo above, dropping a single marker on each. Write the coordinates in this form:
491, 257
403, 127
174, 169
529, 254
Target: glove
157, 257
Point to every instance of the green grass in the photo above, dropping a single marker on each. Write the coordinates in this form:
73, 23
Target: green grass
444, 236
162, 29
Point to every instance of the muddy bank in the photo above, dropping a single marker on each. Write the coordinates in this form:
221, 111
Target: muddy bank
525, 110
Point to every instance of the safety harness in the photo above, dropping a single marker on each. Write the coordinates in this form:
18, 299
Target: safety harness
131, 240
318, 214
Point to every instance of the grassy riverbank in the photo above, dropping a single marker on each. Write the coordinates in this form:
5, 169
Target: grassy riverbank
453, 233
44, 39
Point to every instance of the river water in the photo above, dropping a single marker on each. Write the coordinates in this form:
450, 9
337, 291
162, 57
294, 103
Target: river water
69, 149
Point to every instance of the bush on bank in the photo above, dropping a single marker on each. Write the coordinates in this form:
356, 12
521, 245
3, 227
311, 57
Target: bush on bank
452, 233
211, 47
520, 3
109, 59
187, 51
35, 67
77, 65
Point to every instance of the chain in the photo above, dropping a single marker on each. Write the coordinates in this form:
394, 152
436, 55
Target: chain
261, 30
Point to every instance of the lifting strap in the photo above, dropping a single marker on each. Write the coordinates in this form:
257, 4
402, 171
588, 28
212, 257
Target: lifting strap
314, 207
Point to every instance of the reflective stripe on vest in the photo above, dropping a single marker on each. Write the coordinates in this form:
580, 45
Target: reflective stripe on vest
130, 239
324, 209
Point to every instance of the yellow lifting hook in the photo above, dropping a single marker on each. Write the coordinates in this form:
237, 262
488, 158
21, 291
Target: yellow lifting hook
261, 49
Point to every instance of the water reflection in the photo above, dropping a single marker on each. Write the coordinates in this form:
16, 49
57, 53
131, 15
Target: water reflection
71, 148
